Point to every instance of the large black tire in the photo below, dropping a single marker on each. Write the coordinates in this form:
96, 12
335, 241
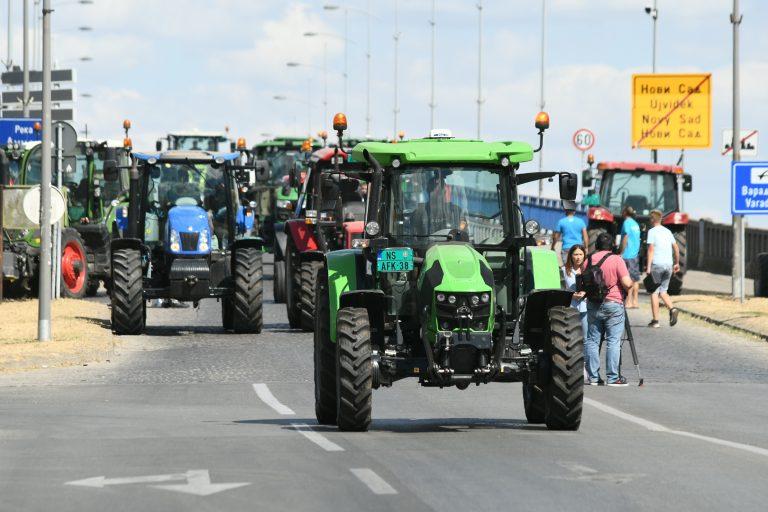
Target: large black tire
227, 313
308, 275
761, 275
325, 357
676, 281
354, 379
74, 265
593, 233
278, 281
292, 288
129, 310
533, 402
247, 299
564, 393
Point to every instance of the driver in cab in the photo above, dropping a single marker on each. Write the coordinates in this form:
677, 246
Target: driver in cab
439, 213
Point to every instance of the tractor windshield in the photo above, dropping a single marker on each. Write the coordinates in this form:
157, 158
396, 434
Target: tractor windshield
195, 142
280, 164
643, 191
429, 203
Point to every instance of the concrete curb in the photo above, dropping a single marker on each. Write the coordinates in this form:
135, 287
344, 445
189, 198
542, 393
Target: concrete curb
51, 361
720, 323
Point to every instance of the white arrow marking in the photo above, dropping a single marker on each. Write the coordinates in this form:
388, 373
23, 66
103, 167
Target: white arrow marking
587, 474
198, 482
266, 396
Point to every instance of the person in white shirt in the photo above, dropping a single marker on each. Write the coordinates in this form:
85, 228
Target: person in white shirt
663, 261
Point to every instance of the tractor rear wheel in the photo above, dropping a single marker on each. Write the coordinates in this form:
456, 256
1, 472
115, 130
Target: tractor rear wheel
247, 300
129, 310
325, 357
74, 265
308, 275
354, 379
278, 281
292, 288
564, 392
676, 281
533, 402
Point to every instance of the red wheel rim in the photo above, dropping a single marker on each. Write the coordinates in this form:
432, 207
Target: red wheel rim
73, 266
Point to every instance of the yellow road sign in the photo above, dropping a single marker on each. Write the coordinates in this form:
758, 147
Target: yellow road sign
671, 111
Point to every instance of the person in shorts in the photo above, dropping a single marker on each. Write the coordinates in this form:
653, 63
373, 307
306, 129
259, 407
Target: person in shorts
630, 251
663, 260
571, 230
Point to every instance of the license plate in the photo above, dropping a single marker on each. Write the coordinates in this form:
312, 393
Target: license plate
399, 259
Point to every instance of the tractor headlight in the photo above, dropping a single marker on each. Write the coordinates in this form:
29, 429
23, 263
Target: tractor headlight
440, 297
475, 300
360, 243
452, 299
372, 228
204, 244
532, 227
284, 204
485, 298
175, 241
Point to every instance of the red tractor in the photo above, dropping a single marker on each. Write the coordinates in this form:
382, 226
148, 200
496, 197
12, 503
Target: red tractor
644, 187
330, 215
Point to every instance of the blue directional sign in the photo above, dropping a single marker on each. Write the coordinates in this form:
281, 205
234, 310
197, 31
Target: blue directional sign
749, 188
18, 130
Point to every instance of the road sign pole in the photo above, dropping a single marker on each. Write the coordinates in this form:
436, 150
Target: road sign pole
25, 61
56, 260
44, 293
737, 277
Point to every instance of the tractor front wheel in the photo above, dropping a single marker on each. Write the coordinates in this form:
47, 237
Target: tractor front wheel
325, 357
354, 371
564, 393
74, 265
308, 275
129, 310
533, 402
292, 288
247, 300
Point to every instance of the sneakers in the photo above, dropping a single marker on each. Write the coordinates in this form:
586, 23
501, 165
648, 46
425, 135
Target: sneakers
673, 316
655, 323
599, 382
620, 382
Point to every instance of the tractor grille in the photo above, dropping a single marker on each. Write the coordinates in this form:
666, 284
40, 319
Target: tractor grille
189, 241
462, 314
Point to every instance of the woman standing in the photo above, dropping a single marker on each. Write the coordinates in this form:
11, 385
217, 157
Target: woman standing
571, 269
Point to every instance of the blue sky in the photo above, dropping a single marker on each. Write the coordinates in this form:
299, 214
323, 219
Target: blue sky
208, 64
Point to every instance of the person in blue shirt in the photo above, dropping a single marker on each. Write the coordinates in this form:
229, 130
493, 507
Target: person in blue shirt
630, 251
571, 230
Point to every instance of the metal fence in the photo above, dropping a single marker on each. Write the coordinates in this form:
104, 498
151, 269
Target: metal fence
710, 247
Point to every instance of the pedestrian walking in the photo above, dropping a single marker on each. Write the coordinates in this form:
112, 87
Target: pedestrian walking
663, 261
571, 230
605, 280
630, 252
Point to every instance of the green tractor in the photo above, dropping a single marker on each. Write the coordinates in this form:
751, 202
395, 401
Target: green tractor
449, 286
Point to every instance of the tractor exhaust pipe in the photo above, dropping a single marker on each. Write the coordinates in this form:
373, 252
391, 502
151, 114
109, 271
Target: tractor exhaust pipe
376, 183
134, 201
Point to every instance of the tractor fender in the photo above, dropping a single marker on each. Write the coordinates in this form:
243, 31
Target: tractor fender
600, 214
346, 273
301, 234
310, 256
281, 241
537, 305
673, 219
251, 242
375, 302
125, 243
541, 270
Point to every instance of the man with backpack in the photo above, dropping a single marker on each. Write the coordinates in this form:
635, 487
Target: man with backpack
605, 281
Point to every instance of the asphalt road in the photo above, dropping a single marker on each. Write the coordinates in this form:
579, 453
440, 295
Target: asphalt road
190, 418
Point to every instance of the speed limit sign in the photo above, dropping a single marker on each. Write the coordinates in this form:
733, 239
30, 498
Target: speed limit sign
583, 139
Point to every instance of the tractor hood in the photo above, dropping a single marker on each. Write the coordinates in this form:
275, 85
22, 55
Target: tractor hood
455, 267
189, 227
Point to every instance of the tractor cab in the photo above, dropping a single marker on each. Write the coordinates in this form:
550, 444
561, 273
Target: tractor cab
193, 141
181, 233
448, 285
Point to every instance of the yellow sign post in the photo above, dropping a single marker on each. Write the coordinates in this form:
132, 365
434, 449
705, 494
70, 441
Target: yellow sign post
671, 111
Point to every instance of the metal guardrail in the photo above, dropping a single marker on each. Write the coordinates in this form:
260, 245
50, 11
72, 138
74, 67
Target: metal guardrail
710, 247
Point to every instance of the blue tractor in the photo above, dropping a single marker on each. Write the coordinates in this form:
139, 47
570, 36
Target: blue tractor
180, 241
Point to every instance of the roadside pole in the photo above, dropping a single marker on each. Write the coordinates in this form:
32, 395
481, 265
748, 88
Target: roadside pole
44, 293
25, 62
737, 277
56, 256
541, 86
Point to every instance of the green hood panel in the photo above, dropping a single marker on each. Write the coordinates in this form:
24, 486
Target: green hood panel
429, 151
460, 265
542, 271
342, 277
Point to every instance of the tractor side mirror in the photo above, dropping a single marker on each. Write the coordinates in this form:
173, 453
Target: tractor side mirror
687, 183
262, 170
158, 145
568, 186
586, 178
111, 172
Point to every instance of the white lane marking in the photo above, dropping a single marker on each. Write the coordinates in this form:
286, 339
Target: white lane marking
266, 396
198, 482
317, 438
655, 427
374, 482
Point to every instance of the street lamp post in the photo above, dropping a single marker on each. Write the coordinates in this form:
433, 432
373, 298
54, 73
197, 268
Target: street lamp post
396, 108
479, 65
737, 278
44, 292
653, 12
25, 62
8, 61
325, 82
541, 84
432, 104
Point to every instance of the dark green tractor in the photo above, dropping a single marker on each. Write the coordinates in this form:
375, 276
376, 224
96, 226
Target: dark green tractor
449, 287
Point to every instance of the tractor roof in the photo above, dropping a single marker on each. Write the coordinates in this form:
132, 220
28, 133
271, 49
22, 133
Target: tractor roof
194, 133
445, 150
639, 166
188, 156
326, 154
285, 141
